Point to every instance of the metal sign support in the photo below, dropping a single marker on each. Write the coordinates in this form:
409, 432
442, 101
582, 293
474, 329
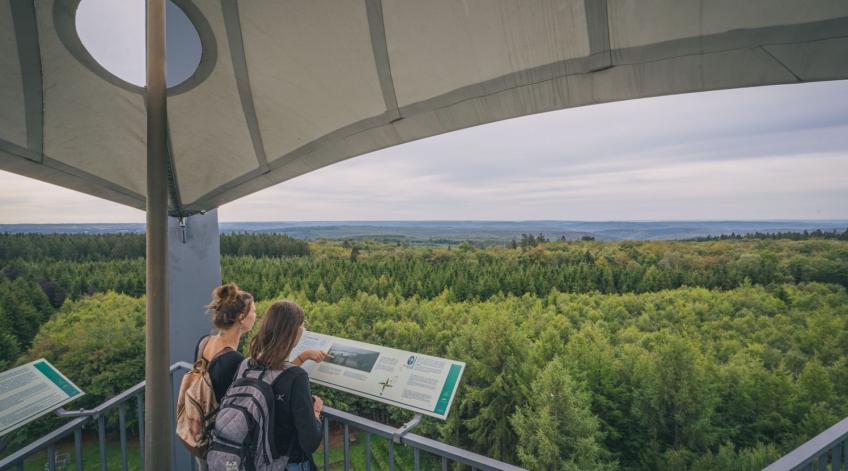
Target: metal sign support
407, 427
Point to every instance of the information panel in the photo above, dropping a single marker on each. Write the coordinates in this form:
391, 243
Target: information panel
416, 382
30, 391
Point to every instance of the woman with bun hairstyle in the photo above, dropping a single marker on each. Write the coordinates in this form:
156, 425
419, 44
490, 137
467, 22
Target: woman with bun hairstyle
297, 424
233, 314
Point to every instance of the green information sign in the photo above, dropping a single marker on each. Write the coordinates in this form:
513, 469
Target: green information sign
421, 383
30, 391
447, 389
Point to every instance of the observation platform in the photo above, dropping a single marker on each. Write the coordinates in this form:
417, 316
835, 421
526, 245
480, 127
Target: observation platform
419, 452
358, 77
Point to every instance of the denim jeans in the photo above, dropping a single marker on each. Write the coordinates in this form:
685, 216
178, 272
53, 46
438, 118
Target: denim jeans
303, 466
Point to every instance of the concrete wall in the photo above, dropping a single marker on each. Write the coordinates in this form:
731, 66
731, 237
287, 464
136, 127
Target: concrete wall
194, 270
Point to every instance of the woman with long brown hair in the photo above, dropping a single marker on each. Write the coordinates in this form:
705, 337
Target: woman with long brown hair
297, 424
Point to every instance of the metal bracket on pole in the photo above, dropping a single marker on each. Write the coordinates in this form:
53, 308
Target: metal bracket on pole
182, 221
62, 412
407, 427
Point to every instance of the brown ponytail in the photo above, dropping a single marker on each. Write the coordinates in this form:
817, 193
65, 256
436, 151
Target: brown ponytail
228, 303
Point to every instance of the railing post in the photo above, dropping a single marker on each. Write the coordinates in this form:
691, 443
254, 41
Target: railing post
122, 424
326, 444
51, 457
139, 398
368, 451
101, 439
78, 448
346, 447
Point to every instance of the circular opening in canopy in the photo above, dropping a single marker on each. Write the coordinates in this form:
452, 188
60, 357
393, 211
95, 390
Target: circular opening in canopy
113, 33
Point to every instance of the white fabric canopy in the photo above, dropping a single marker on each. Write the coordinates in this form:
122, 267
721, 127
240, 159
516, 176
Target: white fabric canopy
286, 87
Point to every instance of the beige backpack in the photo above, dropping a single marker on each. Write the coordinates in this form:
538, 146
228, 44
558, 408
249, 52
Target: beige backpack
196, 404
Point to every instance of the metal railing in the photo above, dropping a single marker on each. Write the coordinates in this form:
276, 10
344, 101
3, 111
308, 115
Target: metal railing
443, 454
75, 427
826, 448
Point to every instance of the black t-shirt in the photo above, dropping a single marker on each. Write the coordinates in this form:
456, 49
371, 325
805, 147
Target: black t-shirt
222, 370
294, 418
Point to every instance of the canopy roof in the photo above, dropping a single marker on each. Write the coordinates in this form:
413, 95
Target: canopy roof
284, 88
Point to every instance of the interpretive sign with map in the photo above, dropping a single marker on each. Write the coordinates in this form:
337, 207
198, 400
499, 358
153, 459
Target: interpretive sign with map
416, 382
30, 391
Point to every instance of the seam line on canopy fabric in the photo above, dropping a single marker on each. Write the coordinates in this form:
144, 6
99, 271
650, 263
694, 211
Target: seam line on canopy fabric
374, 122
19, 151
769, 56
720, 42
377, 28
100, 181
734, 40
29, 55
597, 28
173, 182
713, 44
232, 24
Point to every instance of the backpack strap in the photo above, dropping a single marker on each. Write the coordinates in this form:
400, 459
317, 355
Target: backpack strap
223, 351
202, 346
198, 354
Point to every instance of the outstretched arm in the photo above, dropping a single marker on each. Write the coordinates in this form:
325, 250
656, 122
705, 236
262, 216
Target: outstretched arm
311, 354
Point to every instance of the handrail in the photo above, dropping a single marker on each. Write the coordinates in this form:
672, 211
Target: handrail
419, 442
43, 442
83, 417
815, 448
416, 442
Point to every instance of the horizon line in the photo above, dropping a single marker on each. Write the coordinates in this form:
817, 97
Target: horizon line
845, 220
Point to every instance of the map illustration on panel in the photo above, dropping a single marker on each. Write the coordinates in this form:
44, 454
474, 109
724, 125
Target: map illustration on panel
352, 357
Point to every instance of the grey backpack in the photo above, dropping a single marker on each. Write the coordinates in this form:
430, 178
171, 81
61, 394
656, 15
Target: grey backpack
243, 438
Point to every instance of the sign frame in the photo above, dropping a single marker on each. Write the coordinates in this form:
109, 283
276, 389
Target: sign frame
448, 388
51, 378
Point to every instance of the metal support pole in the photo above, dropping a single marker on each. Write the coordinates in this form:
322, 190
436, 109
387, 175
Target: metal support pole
157, 417
397, 437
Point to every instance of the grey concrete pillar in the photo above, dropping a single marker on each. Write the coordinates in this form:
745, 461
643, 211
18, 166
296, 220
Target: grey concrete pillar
194, 267
194, 270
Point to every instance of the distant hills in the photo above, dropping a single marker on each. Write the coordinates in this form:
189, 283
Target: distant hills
478, 231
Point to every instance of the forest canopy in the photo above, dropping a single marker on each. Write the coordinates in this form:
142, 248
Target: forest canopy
719, 354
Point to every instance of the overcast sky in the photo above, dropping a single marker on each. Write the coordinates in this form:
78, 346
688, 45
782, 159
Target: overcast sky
759, 153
